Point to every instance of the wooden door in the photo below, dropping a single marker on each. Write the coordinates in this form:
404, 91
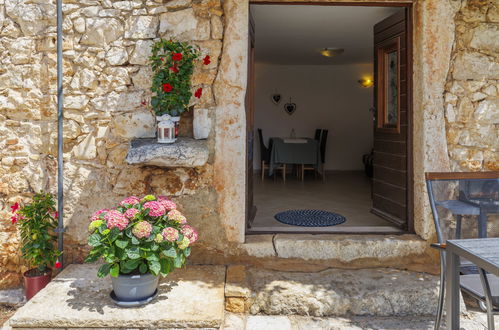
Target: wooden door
250, 136
392, 179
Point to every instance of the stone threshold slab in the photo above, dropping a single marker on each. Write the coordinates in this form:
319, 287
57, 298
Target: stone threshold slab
192, 297
185, 152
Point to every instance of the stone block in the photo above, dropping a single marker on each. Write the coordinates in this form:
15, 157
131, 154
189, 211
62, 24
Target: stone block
102, 31
475, 66
185, 152
347, 248
237, 284
259, 246
235, 304
140, 124
191, 297
141, 27
380, 292
141, 53
184, 25
486, 38
116, 56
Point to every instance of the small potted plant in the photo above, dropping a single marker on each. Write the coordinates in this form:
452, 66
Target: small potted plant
36, 222
139, 240
172, 65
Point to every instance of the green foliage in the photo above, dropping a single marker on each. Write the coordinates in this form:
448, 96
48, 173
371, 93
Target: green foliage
37, 221
177, 73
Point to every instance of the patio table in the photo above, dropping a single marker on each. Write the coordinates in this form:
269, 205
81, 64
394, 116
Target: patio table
483, 252
293, 153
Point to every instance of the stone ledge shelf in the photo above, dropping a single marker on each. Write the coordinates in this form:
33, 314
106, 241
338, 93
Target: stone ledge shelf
185, 152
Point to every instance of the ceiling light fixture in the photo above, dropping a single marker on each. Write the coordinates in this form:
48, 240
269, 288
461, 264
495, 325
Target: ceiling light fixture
331, 52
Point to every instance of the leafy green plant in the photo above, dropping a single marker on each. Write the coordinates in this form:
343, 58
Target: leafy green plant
172, 64
37, 221
147, 235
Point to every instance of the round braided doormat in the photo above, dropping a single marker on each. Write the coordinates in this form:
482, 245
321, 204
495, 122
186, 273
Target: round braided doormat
310, 218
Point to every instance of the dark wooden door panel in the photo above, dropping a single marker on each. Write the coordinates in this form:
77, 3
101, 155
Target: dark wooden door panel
391, 131
250, 207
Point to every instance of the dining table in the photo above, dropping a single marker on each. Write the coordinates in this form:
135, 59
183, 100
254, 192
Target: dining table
293, 151
484, 253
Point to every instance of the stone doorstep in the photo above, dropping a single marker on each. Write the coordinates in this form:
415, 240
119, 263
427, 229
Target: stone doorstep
332, 292
192, 297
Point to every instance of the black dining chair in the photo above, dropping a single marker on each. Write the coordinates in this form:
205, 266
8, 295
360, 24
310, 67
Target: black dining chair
321, 136
265, 156
459, 203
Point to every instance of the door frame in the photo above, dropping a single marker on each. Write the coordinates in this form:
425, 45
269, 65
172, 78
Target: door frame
408, 5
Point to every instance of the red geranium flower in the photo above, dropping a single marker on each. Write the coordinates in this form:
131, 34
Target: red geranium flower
58, 265
198, 93
177, 56
206, 60
56, 215
167, 88
174, 68
15, 207
13, 219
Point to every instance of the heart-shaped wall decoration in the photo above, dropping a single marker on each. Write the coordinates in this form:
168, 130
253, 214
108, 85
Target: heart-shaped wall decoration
276, 98
290, 108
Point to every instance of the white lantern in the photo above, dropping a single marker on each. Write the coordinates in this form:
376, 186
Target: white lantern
166, 129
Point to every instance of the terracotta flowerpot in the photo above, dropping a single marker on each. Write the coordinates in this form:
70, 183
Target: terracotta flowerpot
34, 283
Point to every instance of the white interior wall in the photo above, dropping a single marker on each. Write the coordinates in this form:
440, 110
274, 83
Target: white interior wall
327, 96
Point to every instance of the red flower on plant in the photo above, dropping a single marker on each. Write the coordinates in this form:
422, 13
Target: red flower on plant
177, 56
174, 68
143, 102
57, 265
15, 207
13, 219
206, 60
56, 215
198, 93
167, 88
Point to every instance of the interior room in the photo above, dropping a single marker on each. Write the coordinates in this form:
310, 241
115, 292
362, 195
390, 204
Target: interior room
314, 73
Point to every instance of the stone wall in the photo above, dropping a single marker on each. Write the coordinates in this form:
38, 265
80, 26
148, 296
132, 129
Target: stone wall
106, 99
471, 96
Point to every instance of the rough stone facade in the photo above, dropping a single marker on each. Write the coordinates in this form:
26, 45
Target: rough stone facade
106, 99
106, 87
471, 95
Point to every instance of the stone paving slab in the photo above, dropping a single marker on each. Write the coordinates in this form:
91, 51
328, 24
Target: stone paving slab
470, 321
189, 298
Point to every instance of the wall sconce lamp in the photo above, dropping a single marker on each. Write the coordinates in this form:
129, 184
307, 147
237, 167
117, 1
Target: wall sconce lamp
366, 82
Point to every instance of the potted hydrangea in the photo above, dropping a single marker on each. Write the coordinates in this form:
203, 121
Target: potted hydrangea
172, 64
138, 241
36, 222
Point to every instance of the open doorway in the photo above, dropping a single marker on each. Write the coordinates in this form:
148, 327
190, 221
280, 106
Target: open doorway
329, 118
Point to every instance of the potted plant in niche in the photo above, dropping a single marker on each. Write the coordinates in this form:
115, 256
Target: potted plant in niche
36, 222
138, 241
172, 65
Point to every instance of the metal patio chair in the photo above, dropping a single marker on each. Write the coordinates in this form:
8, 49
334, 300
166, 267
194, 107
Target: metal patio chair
457, 199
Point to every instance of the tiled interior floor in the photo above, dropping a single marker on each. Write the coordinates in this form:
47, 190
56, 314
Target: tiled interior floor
346, 193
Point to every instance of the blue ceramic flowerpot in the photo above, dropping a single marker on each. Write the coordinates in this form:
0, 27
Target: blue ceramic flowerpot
130, 288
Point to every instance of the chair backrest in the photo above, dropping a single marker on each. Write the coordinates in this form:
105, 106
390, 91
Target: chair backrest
323, 145
264, 151
456, 197
317, 135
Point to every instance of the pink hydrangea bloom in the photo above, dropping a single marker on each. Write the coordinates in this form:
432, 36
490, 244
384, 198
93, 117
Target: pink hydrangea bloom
97, 214
132, 200
156, 209
167, 203
170, 234
116, 219
142, 229
190, 233
130, 213
175, 215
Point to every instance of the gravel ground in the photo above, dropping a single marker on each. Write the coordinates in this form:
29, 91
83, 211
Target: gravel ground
5, 313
